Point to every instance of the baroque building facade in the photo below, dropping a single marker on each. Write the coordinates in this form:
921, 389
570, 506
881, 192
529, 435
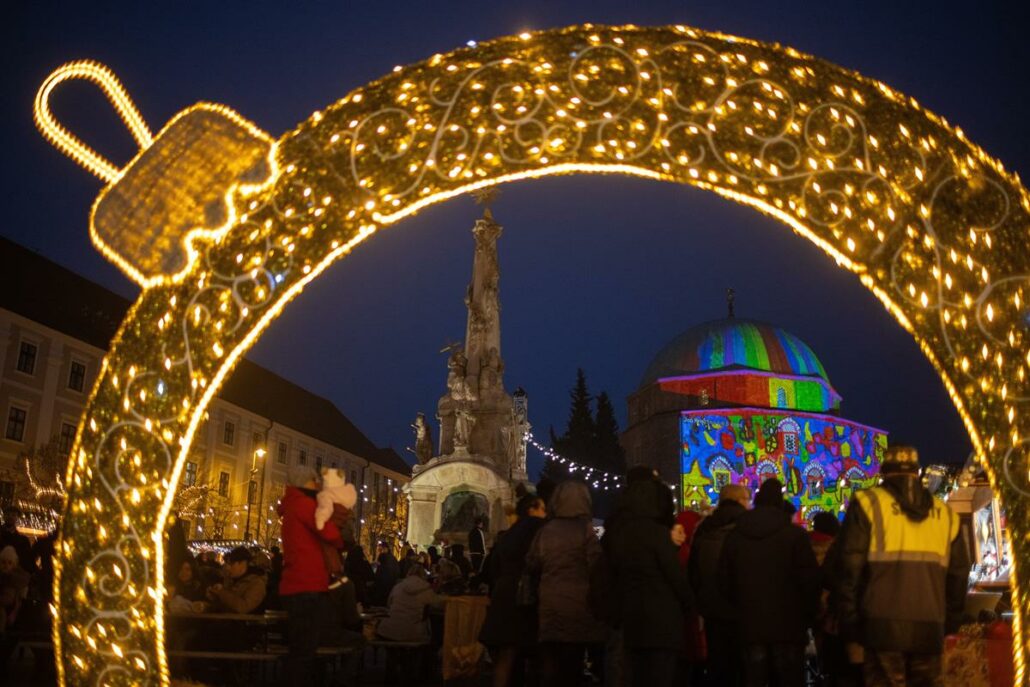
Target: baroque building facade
55, 327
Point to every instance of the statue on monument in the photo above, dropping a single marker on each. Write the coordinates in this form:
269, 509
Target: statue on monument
464, 421
491, 371
423, 440
457, 369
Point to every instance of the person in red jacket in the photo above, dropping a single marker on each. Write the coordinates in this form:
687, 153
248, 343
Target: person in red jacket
304, 587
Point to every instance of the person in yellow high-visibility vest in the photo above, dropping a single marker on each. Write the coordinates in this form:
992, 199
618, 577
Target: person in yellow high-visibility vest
901, 576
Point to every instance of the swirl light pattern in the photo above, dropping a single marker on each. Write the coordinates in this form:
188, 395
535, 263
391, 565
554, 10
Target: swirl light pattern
930, 224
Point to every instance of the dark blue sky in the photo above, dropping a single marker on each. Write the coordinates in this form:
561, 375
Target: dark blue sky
596, 273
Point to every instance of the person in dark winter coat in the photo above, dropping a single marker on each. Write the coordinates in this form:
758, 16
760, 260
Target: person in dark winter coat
562, 557
304, 586
902, 576
359, 570
769, 573
651, 587
477, 545
509, 629
387, 574
720, 616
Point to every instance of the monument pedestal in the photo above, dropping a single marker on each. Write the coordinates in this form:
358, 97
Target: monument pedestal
447, 495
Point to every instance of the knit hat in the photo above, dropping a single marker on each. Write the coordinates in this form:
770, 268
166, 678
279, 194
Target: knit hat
900, 459
299, 475
9, 554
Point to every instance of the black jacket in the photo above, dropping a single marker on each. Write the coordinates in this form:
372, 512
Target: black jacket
899, 602
703, 566
508, 624
769, 573
651, 587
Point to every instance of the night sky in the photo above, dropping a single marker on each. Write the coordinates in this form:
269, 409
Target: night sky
597, 273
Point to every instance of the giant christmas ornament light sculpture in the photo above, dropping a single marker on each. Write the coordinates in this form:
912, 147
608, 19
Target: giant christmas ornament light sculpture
223, 226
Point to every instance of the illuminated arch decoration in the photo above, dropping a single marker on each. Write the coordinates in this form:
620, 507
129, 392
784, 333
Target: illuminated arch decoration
933, 226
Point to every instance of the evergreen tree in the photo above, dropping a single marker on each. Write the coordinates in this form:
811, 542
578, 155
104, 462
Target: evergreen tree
578, 441
608, 453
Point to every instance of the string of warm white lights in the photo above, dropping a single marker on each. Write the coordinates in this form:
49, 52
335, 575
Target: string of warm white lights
599, 479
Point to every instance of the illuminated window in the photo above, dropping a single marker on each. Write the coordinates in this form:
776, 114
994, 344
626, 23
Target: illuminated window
704, 397
284, 453
16, 423
77, 376
190, 474
223, 484
66, 438
781, 398
229, 433
27, 357
302, 457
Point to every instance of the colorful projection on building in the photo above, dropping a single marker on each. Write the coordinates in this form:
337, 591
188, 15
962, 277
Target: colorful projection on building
821, 459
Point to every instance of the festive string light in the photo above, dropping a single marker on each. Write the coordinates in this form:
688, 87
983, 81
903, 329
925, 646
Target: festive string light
599, 479
933, 226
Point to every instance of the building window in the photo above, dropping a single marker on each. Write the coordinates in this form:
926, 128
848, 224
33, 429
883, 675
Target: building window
229, 433
27, 357
77, 376
284, 453
376, 496
703, 400
333, 464
16, 423
66, 439
302, 457
319, 459
781, 398
790, 442
6, 491
190, 477
223, 484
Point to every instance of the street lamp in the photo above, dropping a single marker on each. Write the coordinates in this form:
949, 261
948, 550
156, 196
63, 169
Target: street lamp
258, 453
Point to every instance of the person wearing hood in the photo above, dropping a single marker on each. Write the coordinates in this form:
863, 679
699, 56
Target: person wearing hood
902, 573
720, 616
562, 557
769, 575
409, 598
304, 586
244, 587
651, 586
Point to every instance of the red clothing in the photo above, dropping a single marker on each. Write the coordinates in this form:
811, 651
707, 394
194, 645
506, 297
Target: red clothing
303, 566
695, 647
689, 520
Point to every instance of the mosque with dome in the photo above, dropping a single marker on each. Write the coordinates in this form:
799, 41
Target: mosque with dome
740, 401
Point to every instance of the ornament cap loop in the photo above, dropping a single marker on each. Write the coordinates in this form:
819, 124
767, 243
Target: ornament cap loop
67, 142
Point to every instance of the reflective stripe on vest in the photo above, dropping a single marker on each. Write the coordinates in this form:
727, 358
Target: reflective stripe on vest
896, 538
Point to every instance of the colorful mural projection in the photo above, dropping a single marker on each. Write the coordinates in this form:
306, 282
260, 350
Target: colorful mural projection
821, 459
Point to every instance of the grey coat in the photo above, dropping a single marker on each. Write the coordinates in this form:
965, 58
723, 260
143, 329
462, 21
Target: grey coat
562, 556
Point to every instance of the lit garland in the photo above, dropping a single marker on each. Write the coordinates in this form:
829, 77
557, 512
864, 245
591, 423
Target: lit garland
599, 479
933, 226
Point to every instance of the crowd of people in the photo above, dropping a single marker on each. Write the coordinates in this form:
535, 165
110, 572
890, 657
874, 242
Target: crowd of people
738, 596
742, 596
